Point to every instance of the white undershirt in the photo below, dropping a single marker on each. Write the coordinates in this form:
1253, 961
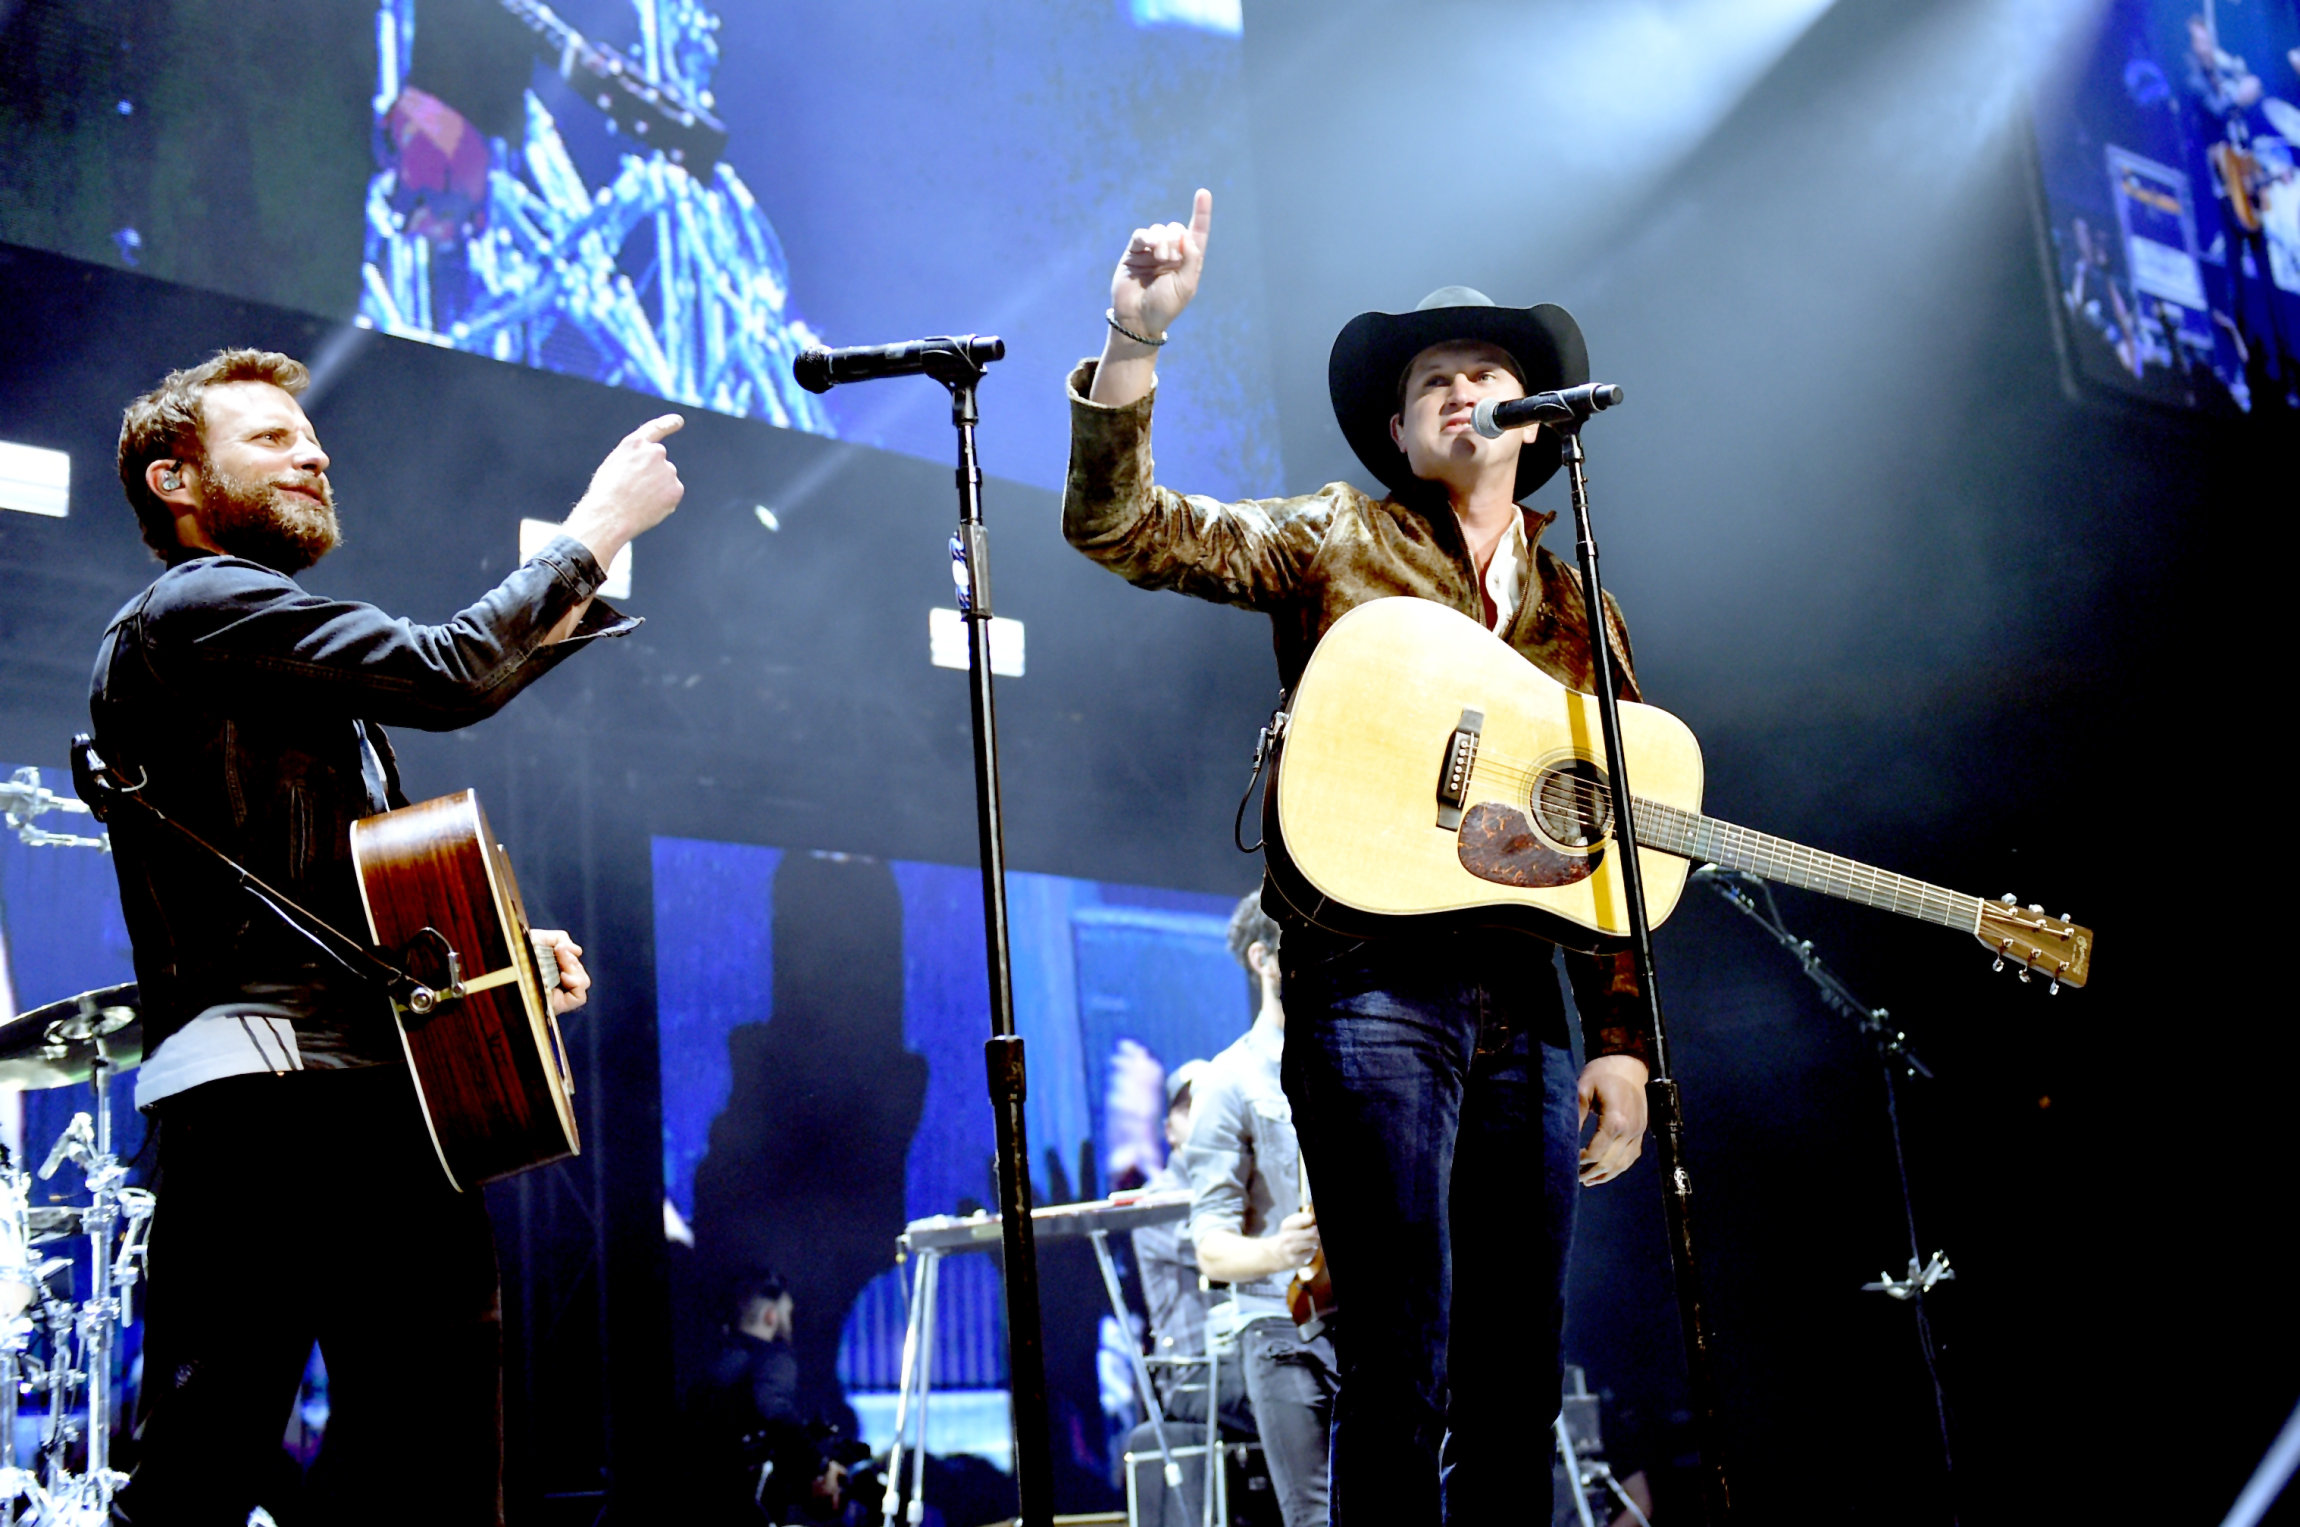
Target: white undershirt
1505, 574
231, 1039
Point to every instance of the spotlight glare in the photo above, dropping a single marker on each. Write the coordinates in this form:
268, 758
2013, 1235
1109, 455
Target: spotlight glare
35, 480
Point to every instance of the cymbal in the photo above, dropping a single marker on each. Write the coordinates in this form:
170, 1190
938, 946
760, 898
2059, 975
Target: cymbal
52, 1046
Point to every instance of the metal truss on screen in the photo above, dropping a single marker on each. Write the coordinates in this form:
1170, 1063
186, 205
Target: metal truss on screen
668, 279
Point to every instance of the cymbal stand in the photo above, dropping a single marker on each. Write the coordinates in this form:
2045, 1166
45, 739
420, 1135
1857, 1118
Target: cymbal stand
18, 1280
1742, 890
86, 1330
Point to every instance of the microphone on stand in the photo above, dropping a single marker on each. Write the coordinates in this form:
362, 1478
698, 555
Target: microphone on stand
819, 370
1571, 406
74, 1144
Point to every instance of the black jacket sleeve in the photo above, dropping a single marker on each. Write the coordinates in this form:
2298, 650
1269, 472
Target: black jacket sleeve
233, 624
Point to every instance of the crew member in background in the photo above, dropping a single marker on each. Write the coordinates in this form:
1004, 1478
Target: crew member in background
1253, 1231
1431, 1074
751, 1456
253, 711
755, 1377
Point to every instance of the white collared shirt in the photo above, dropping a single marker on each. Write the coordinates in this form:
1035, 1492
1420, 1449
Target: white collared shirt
1505, 575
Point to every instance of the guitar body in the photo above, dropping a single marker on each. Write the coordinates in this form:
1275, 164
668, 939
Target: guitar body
1310, 1297
1362, 835
490, 1067
2238, 172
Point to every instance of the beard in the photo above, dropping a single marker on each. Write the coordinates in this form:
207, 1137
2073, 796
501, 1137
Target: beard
263, 522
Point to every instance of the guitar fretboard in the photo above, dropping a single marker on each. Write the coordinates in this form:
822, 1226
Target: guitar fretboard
1694, 836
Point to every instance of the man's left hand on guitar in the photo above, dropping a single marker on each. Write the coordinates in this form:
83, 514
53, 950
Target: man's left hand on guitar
574, 987
1612, 1088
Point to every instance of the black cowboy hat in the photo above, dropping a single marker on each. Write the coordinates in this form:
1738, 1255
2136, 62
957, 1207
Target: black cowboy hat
1373, 350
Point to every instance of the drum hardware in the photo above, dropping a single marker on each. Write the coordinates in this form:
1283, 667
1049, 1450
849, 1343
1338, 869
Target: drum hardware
23, 798
1580, 1475
49, 1046
83, 1038
1752, 896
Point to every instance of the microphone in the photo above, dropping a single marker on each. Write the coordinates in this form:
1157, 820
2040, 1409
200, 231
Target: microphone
78, 1138
1571, 406
819, 370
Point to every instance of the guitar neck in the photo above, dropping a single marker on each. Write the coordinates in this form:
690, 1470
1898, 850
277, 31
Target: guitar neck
1691, 835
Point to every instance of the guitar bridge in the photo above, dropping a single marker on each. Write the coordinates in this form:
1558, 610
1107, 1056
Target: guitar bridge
1454, 775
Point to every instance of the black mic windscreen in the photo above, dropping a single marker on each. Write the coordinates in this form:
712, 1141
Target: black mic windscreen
812, 369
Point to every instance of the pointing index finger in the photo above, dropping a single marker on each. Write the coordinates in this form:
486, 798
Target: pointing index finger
657, 428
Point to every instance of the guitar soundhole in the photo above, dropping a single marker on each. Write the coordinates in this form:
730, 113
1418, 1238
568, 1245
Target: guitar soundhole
1573, 806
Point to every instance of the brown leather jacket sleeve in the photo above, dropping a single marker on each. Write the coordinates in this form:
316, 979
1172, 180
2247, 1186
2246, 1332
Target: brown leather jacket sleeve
1251, 553
1612, 1009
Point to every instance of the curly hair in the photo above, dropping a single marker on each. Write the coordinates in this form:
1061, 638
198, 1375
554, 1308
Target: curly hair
165, 423
1250, 925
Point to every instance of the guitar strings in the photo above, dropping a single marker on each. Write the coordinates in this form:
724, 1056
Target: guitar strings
1590, 809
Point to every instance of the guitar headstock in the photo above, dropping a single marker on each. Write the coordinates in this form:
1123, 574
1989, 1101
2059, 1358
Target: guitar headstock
2052, 947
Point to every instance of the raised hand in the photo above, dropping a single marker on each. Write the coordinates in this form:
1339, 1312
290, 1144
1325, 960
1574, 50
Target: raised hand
1158, 274
634, 490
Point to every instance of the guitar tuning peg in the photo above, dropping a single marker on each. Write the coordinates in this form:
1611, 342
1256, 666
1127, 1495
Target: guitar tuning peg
2037, 907
2009, 899
2054, 989
1998, 963
2023, 973
2062, 918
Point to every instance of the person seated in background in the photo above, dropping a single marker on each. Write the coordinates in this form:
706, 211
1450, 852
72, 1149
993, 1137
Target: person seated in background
1253, 1230
756, 1371
755, 1456
1174, 1289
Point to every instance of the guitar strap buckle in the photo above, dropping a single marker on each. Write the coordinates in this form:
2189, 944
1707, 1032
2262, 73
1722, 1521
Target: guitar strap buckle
1266, 745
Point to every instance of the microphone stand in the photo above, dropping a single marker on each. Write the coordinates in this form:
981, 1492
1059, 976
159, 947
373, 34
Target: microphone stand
1025, 1345
1667, 1120
1893, 1055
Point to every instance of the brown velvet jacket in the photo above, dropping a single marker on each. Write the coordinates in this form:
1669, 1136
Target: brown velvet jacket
1307, 560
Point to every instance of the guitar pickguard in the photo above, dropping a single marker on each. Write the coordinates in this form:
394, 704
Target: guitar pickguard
1499, 843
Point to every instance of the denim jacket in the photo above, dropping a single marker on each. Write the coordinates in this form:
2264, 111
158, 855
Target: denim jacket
255, 711
1308, 560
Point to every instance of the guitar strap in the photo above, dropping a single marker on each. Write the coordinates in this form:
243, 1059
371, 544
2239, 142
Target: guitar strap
1265, 752
105, 789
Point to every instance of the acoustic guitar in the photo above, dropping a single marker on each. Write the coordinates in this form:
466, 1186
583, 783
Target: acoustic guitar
1426, 770
490, 1065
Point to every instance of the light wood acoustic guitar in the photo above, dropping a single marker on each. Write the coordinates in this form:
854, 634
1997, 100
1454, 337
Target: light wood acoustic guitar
490, 1066
1425, 769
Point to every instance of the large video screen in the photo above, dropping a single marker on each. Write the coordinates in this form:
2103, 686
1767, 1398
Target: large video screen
822, 1019
669, 195
2167, 140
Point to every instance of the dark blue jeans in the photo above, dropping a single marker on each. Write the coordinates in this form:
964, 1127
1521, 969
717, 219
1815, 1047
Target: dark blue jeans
1435, 1099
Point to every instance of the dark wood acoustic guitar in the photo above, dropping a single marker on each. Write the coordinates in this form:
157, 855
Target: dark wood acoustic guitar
490, 1066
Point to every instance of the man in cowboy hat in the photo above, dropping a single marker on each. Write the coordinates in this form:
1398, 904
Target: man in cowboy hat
1428, 1073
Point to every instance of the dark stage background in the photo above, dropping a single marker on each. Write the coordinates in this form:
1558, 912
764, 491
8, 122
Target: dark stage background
1921, 606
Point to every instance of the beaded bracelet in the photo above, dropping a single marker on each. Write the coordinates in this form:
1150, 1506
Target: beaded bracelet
1140, 339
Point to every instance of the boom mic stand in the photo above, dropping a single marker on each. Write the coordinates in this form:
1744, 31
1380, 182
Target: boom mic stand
1667, 1120
958, 362
1893, 1054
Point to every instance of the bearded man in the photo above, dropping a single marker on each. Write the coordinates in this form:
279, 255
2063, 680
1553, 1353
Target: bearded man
1430, 1074
253, 711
